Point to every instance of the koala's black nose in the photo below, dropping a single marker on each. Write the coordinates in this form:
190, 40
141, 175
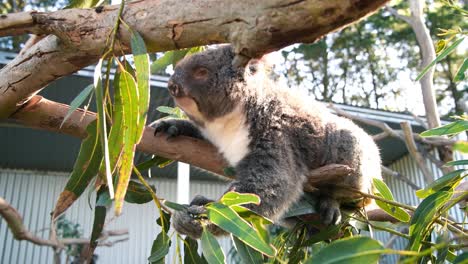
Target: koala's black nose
174, 88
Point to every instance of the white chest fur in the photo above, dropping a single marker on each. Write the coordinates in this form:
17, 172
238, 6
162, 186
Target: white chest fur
230, 135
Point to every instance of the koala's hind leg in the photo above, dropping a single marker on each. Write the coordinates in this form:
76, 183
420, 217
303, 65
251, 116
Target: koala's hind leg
176, 127
329, 210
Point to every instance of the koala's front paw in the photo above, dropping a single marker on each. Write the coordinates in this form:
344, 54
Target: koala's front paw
168, 127
329, 210
189, 221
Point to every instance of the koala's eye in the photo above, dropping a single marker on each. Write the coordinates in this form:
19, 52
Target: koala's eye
200, 73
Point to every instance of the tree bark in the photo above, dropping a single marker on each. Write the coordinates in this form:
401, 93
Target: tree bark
77, 37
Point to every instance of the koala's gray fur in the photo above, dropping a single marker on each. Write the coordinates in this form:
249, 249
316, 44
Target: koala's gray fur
271, 137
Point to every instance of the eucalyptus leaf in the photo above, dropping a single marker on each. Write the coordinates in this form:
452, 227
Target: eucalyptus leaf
246, 253
191, 252
160, 248
235, 198
79, 99
449, 129
353, 250
423, 217
384, 192
460, 75
461, 146
440, 57
227, 219
456, 163
175, 206
137, 193
85, 169
451, 179
211, 249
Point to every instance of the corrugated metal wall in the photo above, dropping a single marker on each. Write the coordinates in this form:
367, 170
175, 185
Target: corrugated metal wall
34, 194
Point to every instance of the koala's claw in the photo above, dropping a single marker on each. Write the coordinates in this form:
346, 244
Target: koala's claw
166, 127
329, 211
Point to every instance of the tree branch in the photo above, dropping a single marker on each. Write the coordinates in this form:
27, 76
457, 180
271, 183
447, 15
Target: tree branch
395, 174
413, 150
19, 231
395, 13
254, 27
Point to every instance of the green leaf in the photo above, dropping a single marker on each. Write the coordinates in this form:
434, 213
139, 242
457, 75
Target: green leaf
160, 248
461, 146
85, 168
227, 219
118, 130
211, 248
384, 192
440, 57
460, 75
141, 57
353, 250
130, 110
102, 126
461, 259
79, 99
137, 193
175, 206
456, 163
166, 224
100, 212
423, 217
235, 198
173, 112
449, 180
191, 252
449, 129
246, 253
155, 161
258, 222
83, 3
305, 205
324, 234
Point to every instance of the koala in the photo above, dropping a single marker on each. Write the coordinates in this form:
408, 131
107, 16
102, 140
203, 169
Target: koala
271, 137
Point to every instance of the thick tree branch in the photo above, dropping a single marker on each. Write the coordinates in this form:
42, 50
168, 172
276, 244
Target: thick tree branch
80, 36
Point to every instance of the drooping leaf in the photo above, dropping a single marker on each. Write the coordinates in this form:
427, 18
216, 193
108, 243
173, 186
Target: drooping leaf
227, 219
79, 99
118, 130
155, 161
175, 206
461, 146
449, 129
141, 57
258, 222
461, 259
305, 205
100, 212
85, 169
235, 198
451, 179
160, 248
246, 253
423, 217
211, 249
324, 234
130, 110
164, 221
460, 75
440, 57
191, 252
102, 126
137, 193
456, 163
384, 192
174, 112
353, 250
